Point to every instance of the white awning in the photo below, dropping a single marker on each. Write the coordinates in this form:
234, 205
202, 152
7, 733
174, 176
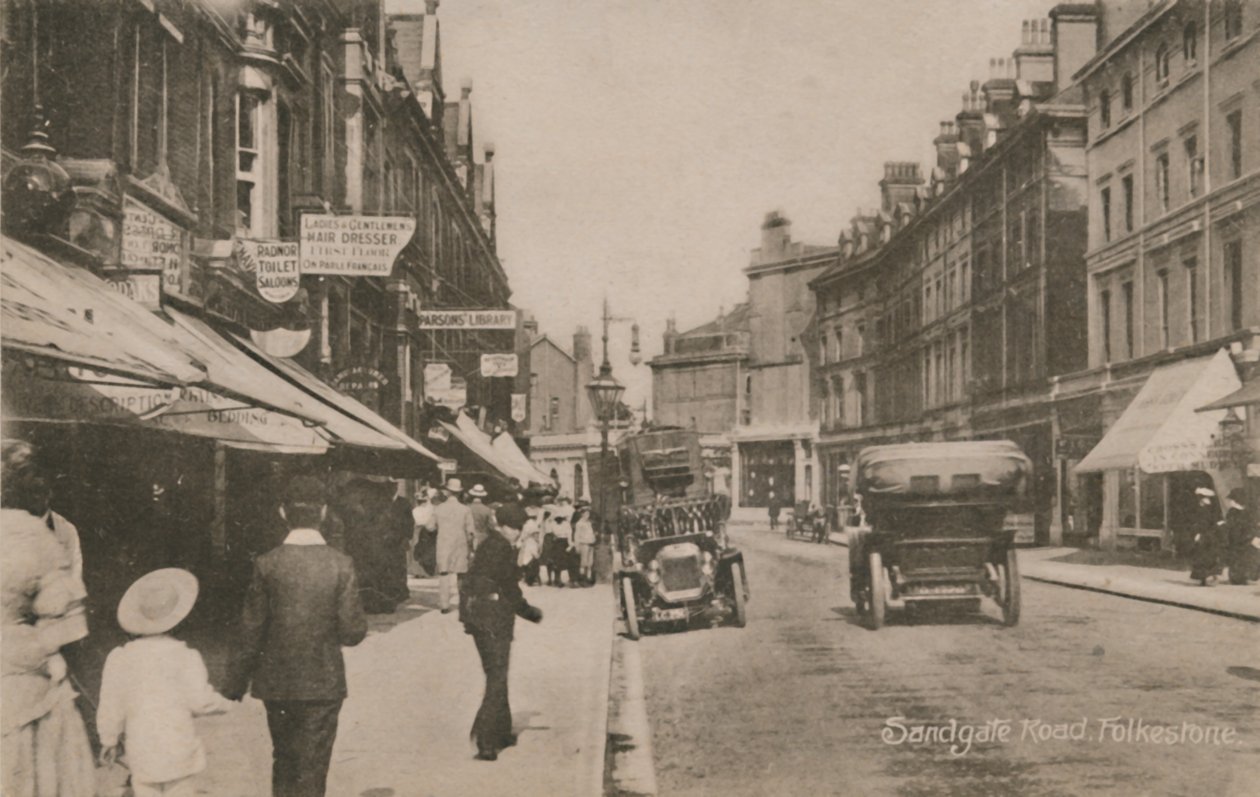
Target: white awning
1159, 431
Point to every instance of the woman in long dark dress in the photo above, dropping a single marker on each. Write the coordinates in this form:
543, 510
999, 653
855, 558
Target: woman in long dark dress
1240, 538
1206, 560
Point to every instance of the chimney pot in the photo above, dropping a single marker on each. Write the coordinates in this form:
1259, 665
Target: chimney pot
431, 6
488, 148
466, 86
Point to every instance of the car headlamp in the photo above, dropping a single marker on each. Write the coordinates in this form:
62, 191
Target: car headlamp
706, 563
654, 572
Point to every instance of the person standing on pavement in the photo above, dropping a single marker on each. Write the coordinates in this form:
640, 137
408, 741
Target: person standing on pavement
301, 608
562, 545
491, 601
1241, 538
775, 506
1205, 565
454, 542
482, 515
584, 541
422, 530
529, 546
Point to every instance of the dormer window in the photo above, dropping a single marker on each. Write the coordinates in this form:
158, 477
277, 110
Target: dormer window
1161, 65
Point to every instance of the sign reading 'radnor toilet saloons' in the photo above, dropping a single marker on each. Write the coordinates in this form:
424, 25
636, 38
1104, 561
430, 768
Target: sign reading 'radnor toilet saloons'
353, 246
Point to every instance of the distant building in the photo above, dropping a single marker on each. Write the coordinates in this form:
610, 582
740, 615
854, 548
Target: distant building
696, 379
775, 432
952, 307
1174, 241
559, 424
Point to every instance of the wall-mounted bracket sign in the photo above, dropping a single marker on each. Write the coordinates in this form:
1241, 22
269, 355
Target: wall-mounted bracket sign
274, 265
353, 246
359, 378
466, 319
498, 365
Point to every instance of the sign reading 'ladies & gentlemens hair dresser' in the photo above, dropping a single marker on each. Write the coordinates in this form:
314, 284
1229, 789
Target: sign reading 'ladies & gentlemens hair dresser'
353, 246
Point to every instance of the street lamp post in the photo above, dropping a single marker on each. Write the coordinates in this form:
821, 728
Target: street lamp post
605, 394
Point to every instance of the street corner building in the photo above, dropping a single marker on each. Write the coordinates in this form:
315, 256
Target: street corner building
168, 346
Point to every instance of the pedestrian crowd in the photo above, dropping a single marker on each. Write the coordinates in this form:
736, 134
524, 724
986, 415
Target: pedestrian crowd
1230, 543
305, 601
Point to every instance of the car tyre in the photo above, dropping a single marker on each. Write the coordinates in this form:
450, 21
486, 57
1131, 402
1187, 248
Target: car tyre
879, 591
737, 590
631, 608
1010, 589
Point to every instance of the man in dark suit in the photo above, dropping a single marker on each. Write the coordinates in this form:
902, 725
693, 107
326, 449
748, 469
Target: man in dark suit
301, 608
492, 599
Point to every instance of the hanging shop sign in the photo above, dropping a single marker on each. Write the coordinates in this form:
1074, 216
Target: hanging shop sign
443, 387
466, 319
275, 266
353, 246
151, 243
143, 288
518, 407
498, 365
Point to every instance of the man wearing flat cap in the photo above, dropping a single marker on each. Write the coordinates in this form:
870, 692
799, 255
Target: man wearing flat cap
302, 606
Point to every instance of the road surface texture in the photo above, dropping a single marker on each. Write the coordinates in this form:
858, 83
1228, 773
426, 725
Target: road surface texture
802, 700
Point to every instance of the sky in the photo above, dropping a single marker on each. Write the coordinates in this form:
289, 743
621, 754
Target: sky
640, 143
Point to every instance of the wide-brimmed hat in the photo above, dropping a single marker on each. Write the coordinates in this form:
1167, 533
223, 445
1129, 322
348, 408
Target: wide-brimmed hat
477, 491
454, 486
1206, 492
157, 601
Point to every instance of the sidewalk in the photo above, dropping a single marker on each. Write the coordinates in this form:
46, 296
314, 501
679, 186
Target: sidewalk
415, 684
1142, 583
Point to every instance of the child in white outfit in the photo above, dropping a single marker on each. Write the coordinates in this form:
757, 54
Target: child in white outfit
153, 686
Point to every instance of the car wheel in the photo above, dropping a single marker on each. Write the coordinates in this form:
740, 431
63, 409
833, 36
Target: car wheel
1010, 589
631, 608
737, 588
879, 591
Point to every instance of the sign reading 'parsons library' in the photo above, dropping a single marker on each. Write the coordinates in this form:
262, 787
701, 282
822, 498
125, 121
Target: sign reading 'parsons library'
353, 246
466, 319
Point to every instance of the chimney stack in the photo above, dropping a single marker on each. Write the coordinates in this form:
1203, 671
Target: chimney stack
671, 334
947, 149
530, 325
970, 119
1034, 58
900, 180
776, 234
1074, 31
582, 345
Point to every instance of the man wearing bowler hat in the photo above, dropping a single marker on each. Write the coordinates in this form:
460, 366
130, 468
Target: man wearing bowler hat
455, 529
301, 608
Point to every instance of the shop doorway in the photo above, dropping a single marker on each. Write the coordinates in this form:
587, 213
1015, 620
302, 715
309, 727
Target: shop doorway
767, 467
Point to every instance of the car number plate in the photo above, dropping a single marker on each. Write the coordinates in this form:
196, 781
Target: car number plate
671, 614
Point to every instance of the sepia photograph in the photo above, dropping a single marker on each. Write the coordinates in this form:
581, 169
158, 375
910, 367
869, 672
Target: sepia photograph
629, 398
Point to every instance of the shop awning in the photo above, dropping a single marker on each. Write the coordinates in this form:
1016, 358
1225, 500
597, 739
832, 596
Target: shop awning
1247, 394
478, 442
1160, 431
68, 314
348, 407
506, 447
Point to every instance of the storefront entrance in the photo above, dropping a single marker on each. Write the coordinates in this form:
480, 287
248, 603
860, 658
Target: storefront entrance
765, 468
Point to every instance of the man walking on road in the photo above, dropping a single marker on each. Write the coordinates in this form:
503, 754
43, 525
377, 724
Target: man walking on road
302, 606
492, 599
454, 542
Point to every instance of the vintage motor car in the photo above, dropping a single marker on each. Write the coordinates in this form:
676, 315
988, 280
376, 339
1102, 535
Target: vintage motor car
677, 565
936, 515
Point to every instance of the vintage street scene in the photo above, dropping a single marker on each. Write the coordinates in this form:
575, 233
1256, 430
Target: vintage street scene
621, 398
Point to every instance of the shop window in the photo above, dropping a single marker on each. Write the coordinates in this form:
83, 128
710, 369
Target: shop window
1152, 509
1126, 500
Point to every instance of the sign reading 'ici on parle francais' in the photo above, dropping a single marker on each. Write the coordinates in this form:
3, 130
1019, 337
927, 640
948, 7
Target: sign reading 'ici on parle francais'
353, 246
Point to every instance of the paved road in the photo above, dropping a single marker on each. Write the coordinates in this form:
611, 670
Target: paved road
799, 701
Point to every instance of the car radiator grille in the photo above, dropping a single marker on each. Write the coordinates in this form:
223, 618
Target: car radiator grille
680, 574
